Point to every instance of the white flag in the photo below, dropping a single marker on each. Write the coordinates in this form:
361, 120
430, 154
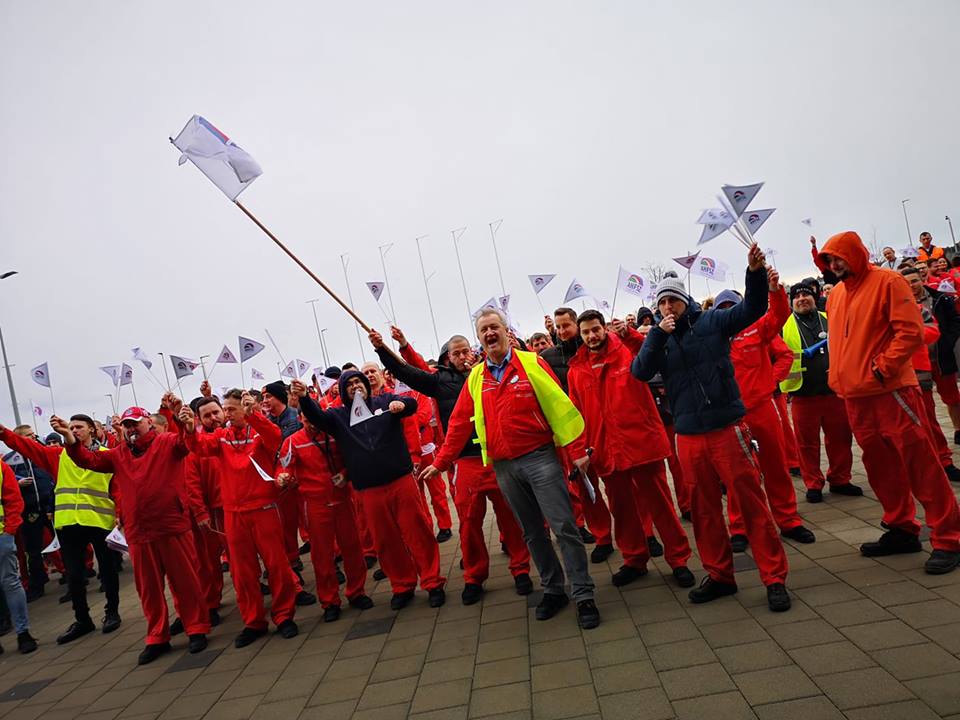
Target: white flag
126, 375
756, 218
604, 305
359, 411
491, 303
401, 388
249, 348
290, 371
714, 215
946, 286
139, 354
116, 540
41, 375
710, 269
226, 165
376, 289
260, 470
182, 367
256, 375
712, 230
325, 383
575, 291
808, 222
113, 371
37, 410
740, 196
226, 356
504, 301
53, 546
539, 282
631, 282
286, 459
909, 252
302, 367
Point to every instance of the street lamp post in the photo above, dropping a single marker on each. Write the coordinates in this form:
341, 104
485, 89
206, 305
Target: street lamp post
952, 236
6, 364
316, 320
323, 337
903, 204
456, 235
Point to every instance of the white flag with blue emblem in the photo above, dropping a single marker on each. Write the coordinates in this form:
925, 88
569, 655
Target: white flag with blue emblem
228, 166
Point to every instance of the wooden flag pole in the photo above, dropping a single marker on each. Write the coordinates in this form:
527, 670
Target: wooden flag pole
313, 275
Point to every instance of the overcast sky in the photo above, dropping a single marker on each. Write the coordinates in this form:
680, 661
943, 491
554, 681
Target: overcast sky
597, 131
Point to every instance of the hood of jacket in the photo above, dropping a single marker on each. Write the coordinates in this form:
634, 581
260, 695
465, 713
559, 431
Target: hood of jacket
342, 384
850, 248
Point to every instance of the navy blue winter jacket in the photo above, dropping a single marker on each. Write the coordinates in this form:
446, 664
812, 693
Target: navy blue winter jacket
695, 364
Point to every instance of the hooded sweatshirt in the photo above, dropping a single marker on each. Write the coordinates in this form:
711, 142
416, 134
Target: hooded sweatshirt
875, 324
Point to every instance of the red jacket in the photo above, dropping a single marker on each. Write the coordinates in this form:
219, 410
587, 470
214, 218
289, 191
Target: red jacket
514, 422
12, 501
622, 423
153, 495
313, 461
241, 486
750, 353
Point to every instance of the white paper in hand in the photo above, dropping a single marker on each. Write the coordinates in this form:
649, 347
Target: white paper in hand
116, 540
260, 471
53, 546
359, 411
591, 493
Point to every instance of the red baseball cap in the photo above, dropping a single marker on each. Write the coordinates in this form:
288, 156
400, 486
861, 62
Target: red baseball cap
136, 414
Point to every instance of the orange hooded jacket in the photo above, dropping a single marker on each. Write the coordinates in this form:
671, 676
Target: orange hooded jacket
875, 324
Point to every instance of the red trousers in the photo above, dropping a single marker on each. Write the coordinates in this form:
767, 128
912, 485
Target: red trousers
596, 514
764, 423
725, 456
172, 559
331, 526
676, 472
289, 503
405, 543
791, 451
249, 534
828, 413
901, 464
475, 485
642, 492
210, 543
937, 437
366, 537
438, 496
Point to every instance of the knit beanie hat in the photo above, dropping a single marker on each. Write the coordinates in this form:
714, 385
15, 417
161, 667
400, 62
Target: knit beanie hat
673, 287
277, 389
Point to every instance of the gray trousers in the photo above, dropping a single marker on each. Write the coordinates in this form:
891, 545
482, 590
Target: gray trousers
535, 488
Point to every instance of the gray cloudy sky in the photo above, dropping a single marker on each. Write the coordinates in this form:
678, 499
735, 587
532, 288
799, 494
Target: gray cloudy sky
597, 131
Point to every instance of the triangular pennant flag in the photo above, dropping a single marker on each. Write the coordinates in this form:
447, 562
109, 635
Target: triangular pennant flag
756, 218
113, 371
401, 388
126, 375
226, 165
41, 375
302, 367
116, 540
256, 375
491, 304
226, 356
808, 222
249, 348
325, 383
539, 282
359, 410
576, 290
740, 196
290, 371
713, 230
910, 252
260, 471
139, 354
631, 283
183, 367
946, 286
287, 458
504, 301
53, 546
687, 261
714, 215
376, 289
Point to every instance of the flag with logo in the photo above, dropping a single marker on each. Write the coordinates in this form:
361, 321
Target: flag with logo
113, 371
227, 166
631, 282
37, 410
359, 410
491, 304
740, 196
226, 356
302, 367
504, 301
576, 290
714, 215
376, 289
256, 375
539, 282
290, 371
41, 375
126, 374
710, 268
249, 348
687, 261
712, 230
325, 383
755, 218
183, 367
139, 354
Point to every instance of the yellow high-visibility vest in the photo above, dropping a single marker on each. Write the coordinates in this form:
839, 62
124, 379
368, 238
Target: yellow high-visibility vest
791, 336
82, 497
564, 419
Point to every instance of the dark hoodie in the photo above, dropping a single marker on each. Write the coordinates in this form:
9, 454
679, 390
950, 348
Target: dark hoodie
695, 364
374, 451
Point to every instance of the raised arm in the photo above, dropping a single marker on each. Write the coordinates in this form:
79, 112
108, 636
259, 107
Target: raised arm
459, 431
100, 461
270, 435
43, 456
649, 361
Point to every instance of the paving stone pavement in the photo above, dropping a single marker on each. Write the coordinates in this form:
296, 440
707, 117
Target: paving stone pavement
866, 639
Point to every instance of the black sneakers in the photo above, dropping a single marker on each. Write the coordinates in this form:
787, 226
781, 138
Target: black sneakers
305, 598
76, 630
739, 543
586, 536
846, 489
710, 590
472, 592
941, 562
523, 583
198, 643
152, 652
26, 643
444, 535
601, 553
176, 627
214, 616
654, 547
588, 616
248, 635
361, 602
814, 496
684, 577
777, 598
953, 473
331, 613
436, 597
287, 629
892, 542
379, 574
626, 575
800, 534
551, 604
400, 600
111, 621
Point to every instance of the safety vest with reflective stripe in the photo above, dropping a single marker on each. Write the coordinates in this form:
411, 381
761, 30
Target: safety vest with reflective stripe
82, 497
791, 336
2, 515
564, 419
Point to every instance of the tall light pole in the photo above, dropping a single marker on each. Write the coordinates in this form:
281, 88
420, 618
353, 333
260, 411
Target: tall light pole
456, 235
494, 226
344, 260
903, 204
323, 337
426, 288
386, 280
6, 364
316, 320
952, 236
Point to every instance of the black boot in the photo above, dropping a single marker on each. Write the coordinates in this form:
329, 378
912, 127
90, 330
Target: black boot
152, 652
25, 643
76, 630
654, 547
361, 602
777, 598
248, 635
892, 542
111, 621
523, 584
472, 592
626, 575
436, 597
600, 553
288, 629
551, 604
331, 613
198, 643
941, 562
710, 590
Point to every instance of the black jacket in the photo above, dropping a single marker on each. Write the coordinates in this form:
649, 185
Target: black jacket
38, 496
558, 358
444, 386
695, 361
374, 451
945, 313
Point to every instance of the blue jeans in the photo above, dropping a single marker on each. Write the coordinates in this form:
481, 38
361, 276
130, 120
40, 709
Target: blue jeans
10, 580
